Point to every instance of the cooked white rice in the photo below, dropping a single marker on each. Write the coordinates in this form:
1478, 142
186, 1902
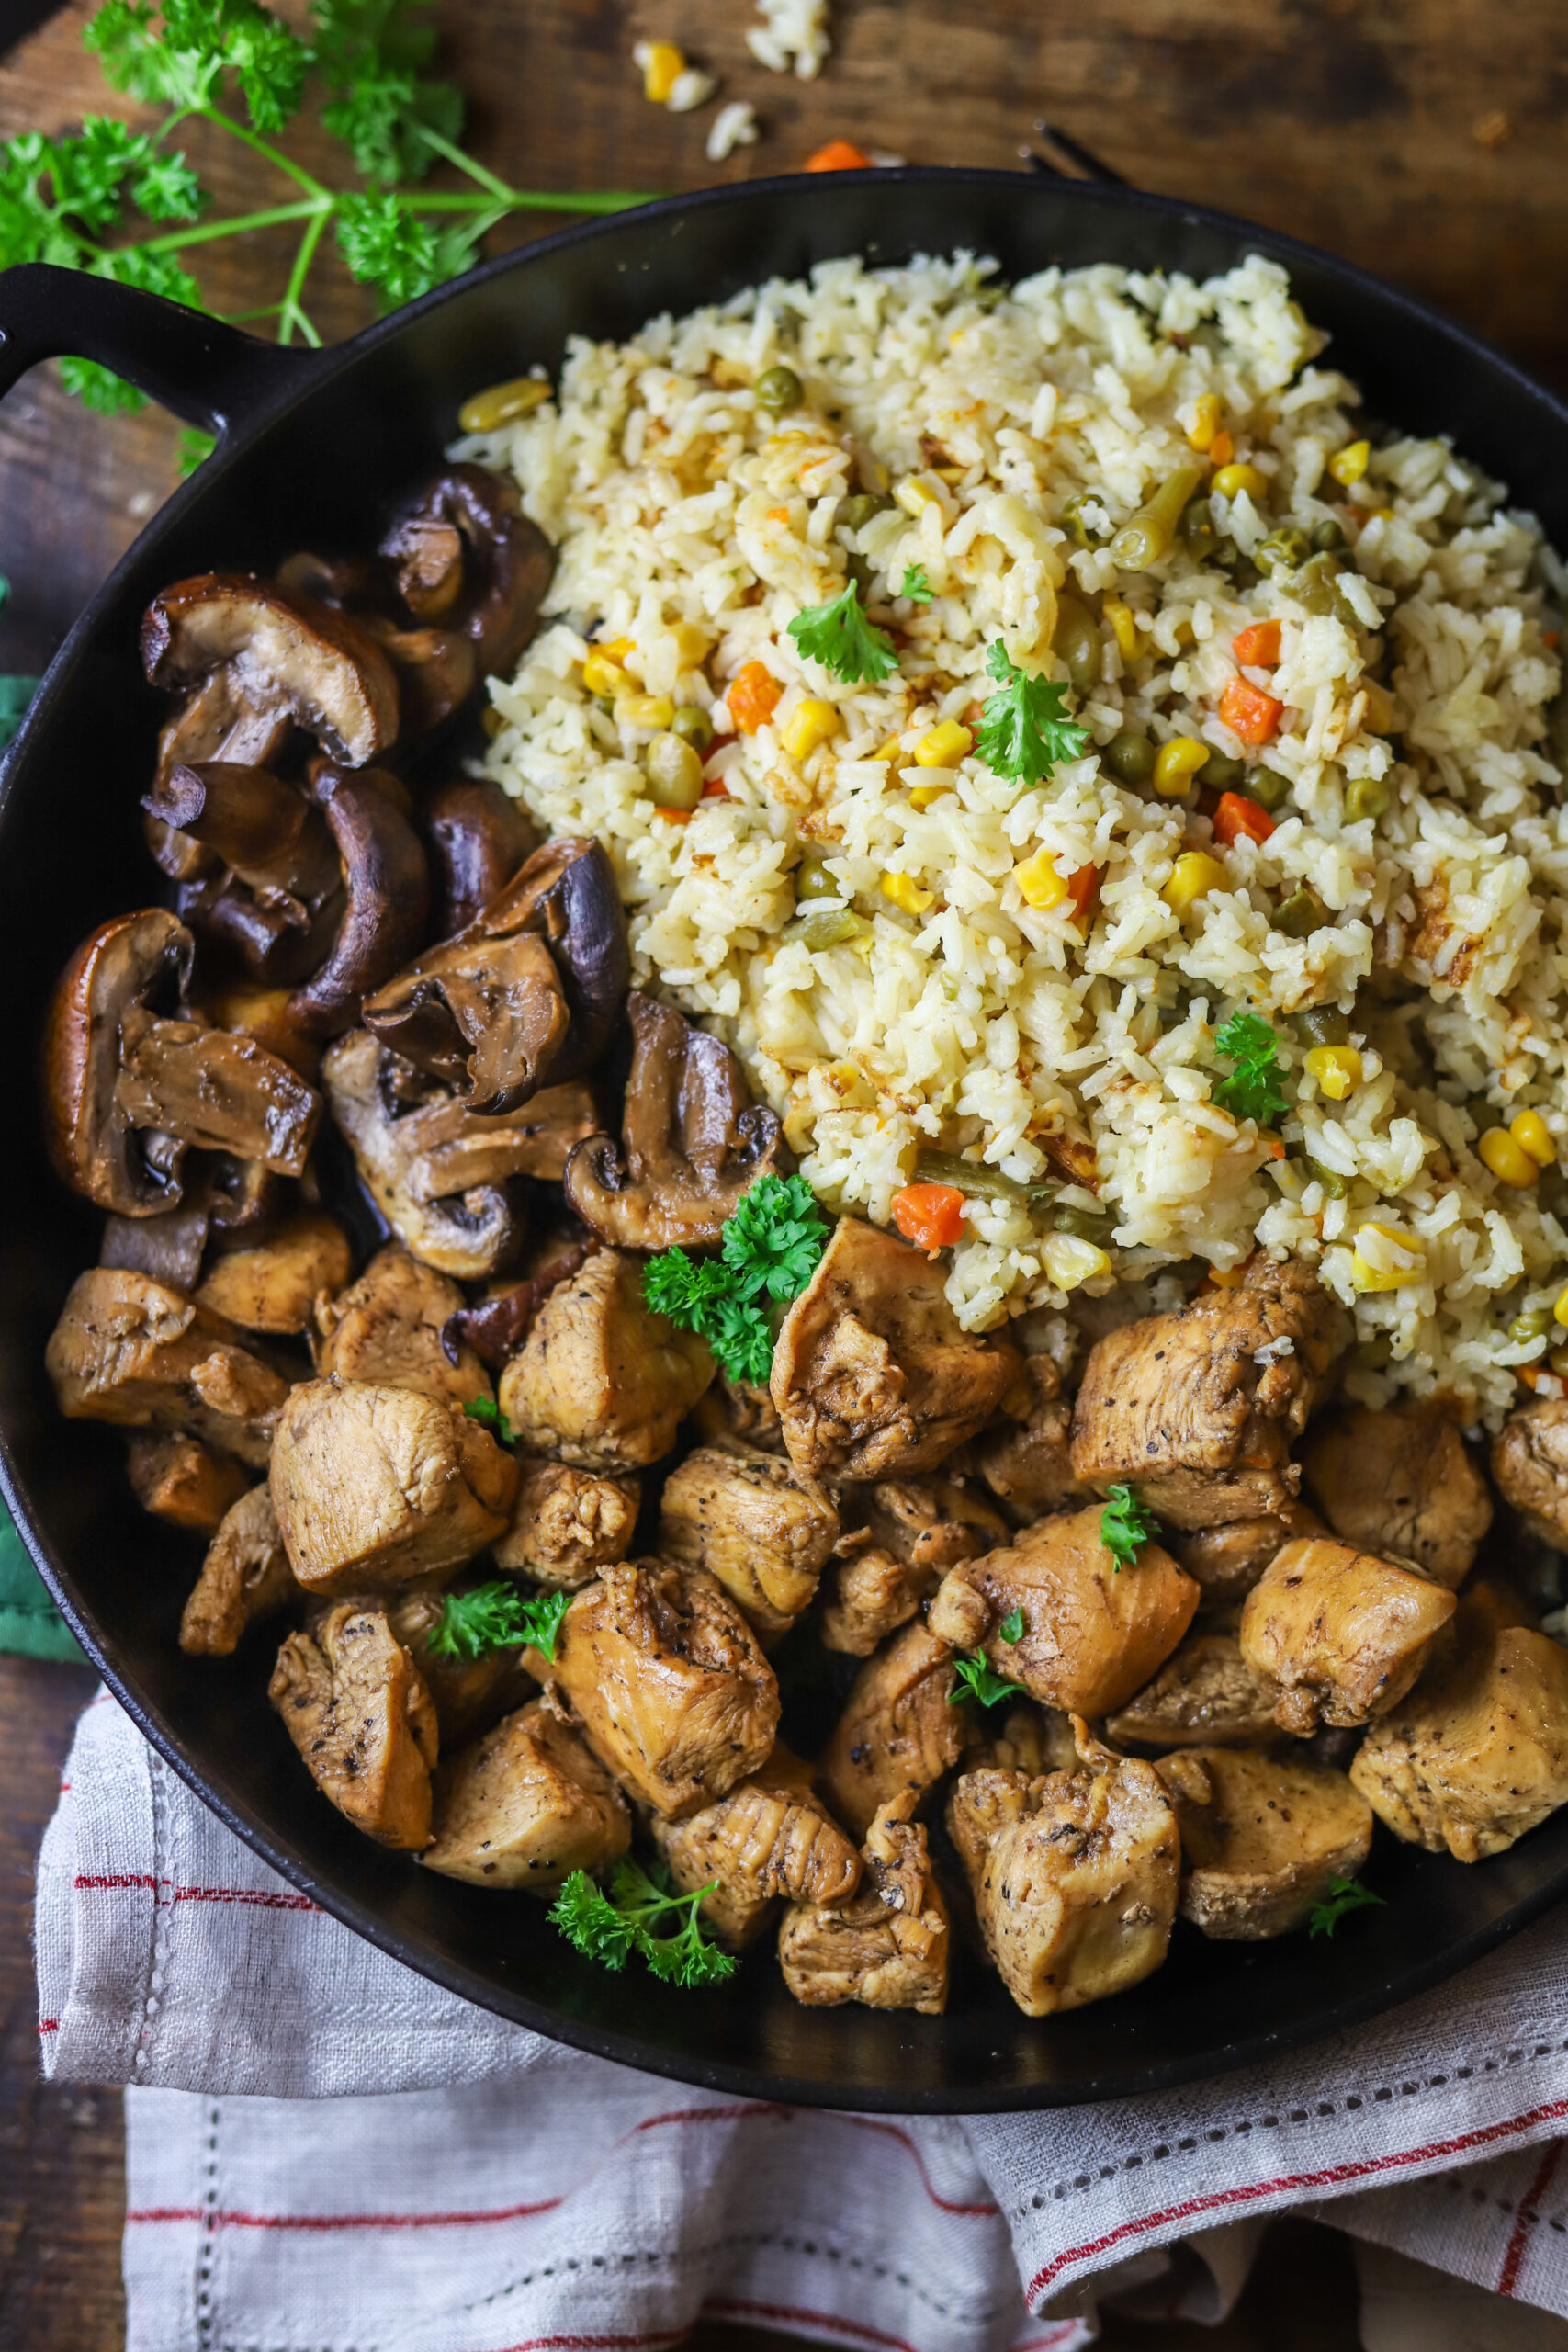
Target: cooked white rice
688, 524
793, 37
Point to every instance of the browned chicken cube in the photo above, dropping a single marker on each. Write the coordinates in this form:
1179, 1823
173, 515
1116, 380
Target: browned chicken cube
274, 1285
910, 1531
1199, 1408
1400, 1483
771, 1836
1225, 1562
387, 1329
1093, 1632
1342, 1632
664, 1676
885, 1947
747, 1519
244, 1578
376, 1487
601, 1379
1204, 1695
1074, 1876
525, 1807
1529, 1462
130, 1350
468, 1694
362, 1719
1263, 1839
176, 1477
1030, 1739
871, 1372
867, 1595
899, 1731
567, 1524
1027, 1461
1478, 1754
735, 1408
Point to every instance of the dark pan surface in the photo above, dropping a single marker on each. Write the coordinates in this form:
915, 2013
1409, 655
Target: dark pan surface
317, 454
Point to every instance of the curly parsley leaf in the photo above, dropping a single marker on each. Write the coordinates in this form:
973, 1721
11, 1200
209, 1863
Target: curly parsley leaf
609, 1927
99, 387
684, 1288
840, 637
16, 692
1012, 1626
976, 1681
587, 1917
915, 585
386, 246
1024, 731
774, 1237
1125, 1527
1345, 1894
196, 447
495, 1616
370, 55
179, 53
489, 1415
1252, 1088
740, 1333
772, 1243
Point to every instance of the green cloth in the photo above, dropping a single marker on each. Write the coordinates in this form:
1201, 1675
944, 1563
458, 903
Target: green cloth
29, 1622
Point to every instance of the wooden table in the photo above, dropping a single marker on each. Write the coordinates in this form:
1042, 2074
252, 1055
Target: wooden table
1424, 138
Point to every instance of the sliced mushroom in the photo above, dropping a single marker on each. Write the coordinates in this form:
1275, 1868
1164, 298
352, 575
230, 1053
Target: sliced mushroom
487, 1016
467, 1235
288, 652
217, 1092
225, 719
168, 1246
386, 887
279, 902
478, 837
566, 892
468, 555
693, 1141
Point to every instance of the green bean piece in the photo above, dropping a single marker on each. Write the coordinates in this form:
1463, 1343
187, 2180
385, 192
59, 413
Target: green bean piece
777, 390
1282, 551
1151, 532
825, 930
934, 1167
858, 511
1316, 587
693, 725
1220, 773
1330, 1179
1130, 756
812, 880
1196, 527
1301, 914
1534, 1325
1076, 640
1084, 1224
674, 773
1073, 517
1367, 796
1322, 1024
1327, 538
1267, 786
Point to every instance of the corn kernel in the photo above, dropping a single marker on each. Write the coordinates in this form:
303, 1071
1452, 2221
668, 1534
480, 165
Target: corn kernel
1205, 423
691, 644
645, 710
616, 649
1124, 627
1531, 1134
1176, 764
1222, 449
501, 404
1039, 881
1190, 876
1227, 1277
1069, 1263
923, 795
1561, 1310
1338, 1069
603, 676
1507, 1159
1231, 480
906, 893
889, 750
916, 492
1383, 1259
809, 724
662, 65
945, 746
1347, 465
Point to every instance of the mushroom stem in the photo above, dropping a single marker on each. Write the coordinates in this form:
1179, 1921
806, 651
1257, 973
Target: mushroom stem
267, 832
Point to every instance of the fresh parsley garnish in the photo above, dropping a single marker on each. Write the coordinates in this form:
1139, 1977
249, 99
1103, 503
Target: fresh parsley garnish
489, 1415
841, 637
1012, 1626
915, 585
1252, 1088
768, 1253
15, 695
609, 1927
1345, 1894
1024, 731
1125, 1527
976, 1681
496, 1617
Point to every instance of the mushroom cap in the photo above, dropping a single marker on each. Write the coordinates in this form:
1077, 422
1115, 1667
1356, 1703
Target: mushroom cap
478, 837
469, 1235
88, 1136
466, 554
567, 893
330, 674
387, 887
487, 1015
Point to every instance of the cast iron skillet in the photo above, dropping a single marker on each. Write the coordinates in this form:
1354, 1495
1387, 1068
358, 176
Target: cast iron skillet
314, 449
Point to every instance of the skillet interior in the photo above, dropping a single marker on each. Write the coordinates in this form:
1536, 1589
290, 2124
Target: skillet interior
320, 466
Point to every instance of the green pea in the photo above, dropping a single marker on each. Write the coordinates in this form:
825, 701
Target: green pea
1322, 1024
1328, 538
674, 773
1535, 1324
829, 929
1084, 1224
1333, 1183
1130, 756
1073, 517
1282, 551
1076, 640
857, 511
1220, 773
693, 725
1268, 788
1300, 915
777, 390
812, 880
1197, 528
1151, 532
1366, 797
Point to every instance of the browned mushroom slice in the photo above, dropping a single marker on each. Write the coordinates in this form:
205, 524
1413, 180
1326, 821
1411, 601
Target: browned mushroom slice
567, 893
451, 1148
467, 1235
478, 837
274, 1285
468, 555
770, 1836
496, 1327
215, 1092
128, 1350
1342, 1632
567, 1524
387, 896
177, 1478
747, 1519
244, 1578
468, 1693
361, 1718
885, 1947
1204, 1695
525, 1807
693, 1141
388, 1328
90, 1137
169, 1245
251, 1010
486, 1016
601, 1380
316, 663
279, 901
899, 1730
226, 717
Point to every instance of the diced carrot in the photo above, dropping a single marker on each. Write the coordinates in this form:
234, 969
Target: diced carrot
674, 816
1551, 638
930, 1216
1236, 814
1248, 712
1259, 643
1083, 890
838, 155
716, 788
754, 696
778, 514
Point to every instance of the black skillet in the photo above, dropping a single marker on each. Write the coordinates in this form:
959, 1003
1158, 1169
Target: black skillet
315, 448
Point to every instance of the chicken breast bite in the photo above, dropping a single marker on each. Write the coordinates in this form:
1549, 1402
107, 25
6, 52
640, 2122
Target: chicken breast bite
376, 1487
1199, 1408
1342, 1632
601, 1380
665, 1678
898, 1733
525, 1807
1092, 1633
567, 1524
1478, 1755
1027, 1461
872, 1371
274, 1285
747, 1519
130, 1350
1263, 1839
1074, 1876
1401, 1482
177, 1478
1204, 1694
910, 1532
737, 1409
885, 1947
387, 1329
1029, 1739
1530, 1462
771, 1835
244, 1578
1225, 1562
362, 1719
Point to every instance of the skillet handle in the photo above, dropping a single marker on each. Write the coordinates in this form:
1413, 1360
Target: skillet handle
207, 373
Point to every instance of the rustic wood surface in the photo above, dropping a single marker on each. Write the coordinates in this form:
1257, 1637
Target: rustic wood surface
1424, 138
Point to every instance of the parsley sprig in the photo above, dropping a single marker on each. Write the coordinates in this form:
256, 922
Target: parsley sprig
100, 199
1345, 1894
610, 1926
768, 1255
1125, 1527
840, 637
1024, 731
1252, 1088
495, 1616
489, 1415
915, 585
976, 1681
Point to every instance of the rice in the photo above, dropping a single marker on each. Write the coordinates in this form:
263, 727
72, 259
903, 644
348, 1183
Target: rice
793, 38
1032, 423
